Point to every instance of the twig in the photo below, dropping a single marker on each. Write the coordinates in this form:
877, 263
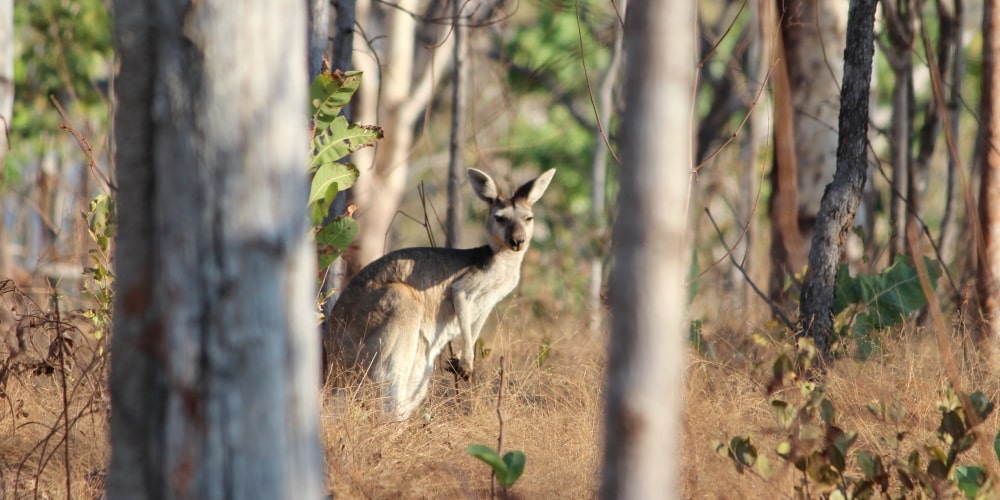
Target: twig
61, 350
774, 307
85, 146
493, 477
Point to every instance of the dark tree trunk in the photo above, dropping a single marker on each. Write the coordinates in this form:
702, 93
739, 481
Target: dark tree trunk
843, 195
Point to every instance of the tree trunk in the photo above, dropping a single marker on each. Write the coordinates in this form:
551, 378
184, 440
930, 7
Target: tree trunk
952, 29
456, 146
813, 34
843, 195
319, 35
646, 356
599, 175
394, 98
213, 382
788, 248
6, 113
900, 22
988, 282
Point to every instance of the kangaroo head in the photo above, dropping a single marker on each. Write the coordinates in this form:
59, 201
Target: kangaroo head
511, 221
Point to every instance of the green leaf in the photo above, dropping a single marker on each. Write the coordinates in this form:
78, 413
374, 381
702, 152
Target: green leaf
330, 92
515, 467
842, 442
996, 445
544, 351
784, 449
889, 297
334, 238
340, 138
783, 370
491, 457
743, 450
764, 466
970, 479
696, 338
330, 179
981, 404
871, 466
783, 412
827, 412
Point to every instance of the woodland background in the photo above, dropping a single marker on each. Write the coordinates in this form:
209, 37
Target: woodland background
542, 89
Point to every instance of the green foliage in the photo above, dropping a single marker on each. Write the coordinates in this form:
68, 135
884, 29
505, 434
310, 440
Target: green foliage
63, 49
544, 351
98, 284
881, 300
333, 139
696, 337
821, 450
508, 469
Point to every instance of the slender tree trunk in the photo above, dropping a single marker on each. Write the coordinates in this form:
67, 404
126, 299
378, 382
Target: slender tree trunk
599, 175
843, 195
319, 34
953, 19
900, 20
343, 36
989, 195
788, 248
813, 33
213, 382
394, 98
6, 113
646, 362
456, 146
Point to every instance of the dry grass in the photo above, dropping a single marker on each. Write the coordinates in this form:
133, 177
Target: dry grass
53, 401
553, 414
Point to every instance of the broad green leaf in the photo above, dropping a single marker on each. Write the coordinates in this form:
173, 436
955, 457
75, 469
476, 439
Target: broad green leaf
888, 297
333, 177
827, 412
871, 466
981, 404
330, 92
491, 457
784, 449
764, 466
970, 479
744, 452
842, 443
339, 139
515, 467
334, 238
783, 370
783, 412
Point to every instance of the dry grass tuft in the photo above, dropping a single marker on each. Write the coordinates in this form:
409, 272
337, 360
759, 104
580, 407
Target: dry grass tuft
552, 414
53, 401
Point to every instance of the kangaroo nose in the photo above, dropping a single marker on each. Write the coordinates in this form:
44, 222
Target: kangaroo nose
517, 242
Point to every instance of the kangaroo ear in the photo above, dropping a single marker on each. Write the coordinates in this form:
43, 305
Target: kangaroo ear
533, 190
483, 185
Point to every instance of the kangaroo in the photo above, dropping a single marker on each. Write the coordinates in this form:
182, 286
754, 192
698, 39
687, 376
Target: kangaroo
398, 313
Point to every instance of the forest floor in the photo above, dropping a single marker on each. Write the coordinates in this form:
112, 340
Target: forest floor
552, 408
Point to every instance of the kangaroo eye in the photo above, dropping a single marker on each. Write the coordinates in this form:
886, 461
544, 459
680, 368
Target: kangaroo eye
500, 218
529, 218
